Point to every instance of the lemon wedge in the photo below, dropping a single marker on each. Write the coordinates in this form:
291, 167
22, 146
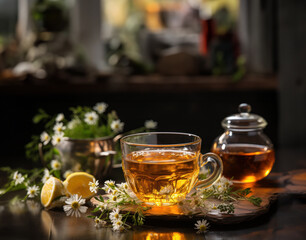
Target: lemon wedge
52, 189
78, 183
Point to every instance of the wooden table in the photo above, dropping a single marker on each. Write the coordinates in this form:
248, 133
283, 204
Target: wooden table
286, 219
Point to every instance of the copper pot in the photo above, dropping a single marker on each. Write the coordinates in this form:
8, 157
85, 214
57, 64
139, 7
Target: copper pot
91, 155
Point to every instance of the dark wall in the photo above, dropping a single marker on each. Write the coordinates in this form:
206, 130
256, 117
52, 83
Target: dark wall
292, 72
194, 112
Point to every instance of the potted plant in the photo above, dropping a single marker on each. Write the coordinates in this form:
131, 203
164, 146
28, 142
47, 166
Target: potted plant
86, 141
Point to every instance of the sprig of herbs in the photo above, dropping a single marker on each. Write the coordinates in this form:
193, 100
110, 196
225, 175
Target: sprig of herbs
119, 198
226, 208
27, 178
242, 194
224, 191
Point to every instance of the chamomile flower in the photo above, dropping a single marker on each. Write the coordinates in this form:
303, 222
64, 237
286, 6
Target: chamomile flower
108, 186
166, 190
45, 138
60, 117
114, 198
100, 107
116, 192
18, 178
93, 186
58, 138
115, 215
196, 201
32, 191
33, 206
202, 226
212, 207
59, 127
17, 206
110, 183
74, 122
150, 124
91, 118
117, 126
103, 206
46, 175
56, 165
67, 173
219, 187
74, 206
99, 222
124, 187
226, 182
118, 225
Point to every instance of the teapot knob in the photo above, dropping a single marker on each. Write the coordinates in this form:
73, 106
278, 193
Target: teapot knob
244, 108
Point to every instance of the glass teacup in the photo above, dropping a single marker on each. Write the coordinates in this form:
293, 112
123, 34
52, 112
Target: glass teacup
161, 168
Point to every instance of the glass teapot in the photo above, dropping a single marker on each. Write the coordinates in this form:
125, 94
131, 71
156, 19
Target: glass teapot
247, 153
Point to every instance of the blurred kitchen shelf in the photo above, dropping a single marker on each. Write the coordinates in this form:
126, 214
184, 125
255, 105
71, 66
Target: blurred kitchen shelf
143, 83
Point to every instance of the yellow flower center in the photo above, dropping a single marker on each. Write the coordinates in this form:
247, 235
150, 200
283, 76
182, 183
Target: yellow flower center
202, 228
75, 205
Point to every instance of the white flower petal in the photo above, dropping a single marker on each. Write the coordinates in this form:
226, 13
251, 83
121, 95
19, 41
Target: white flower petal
83, 209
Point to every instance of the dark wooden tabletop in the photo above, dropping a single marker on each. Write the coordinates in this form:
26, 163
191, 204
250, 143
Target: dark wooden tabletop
285, 219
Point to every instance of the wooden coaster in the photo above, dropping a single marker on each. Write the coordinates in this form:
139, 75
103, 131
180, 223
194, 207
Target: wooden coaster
269, 190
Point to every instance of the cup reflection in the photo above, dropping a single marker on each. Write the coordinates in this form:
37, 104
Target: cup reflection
150, 235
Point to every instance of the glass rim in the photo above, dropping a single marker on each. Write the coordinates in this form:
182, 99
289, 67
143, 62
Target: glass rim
196, 141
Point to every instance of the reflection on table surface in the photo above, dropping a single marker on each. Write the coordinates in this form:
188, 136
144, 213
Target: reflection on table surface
27, 220
285, 220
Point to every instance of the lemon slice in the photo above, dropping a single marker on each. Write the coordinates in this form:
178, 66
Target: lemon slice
52, 189
78, 183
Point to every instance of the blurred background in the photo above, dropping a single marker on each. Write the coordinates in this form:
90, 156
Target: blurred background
186, 64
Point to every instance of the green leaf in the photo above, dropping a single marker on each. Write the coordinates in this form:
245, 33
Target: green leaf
6, 169
255, 200
40, 116
226, 208
95, 210
57, 174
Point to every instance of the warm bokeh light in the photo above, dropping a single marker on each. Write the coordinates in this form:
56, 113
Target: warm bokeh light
215, 5
162, 236
116, 12
249, 179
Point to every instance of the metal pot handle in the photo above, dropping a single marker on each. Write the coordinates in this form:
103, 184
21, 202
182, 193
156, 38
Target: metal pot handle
117, 138
106, 153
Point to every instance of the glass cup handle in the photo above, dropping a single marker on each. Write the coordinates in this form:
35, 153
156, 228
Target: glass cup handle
217, 164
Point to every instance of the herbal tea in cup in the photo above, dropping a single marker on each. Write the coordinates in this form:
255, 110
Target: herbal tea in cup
161, 168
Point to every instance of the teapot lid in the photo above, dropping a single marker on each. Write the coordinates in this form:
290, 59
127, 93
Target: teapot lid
244, 120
